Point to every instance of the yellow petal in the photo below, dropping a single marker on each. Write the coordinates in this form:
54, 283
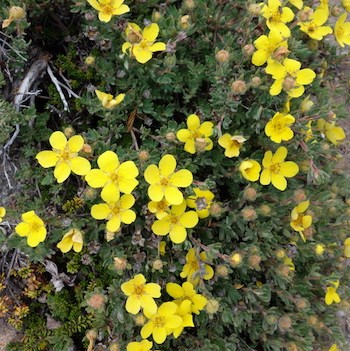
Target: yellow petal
280, 155
133, 305
121, 10
76, 143
142, 55
278, 181
104, 16
65, 245
58, 140
100, 211
189, 219
36, 236
152, 174
113, 224
178, 234
157, 47
128, 216
182, 178
80, 165
183, 135
161, 227
265, 177
22, 229
126, 46
305, 76
95, 4
96, 178
47, 159
110, 193
150, 32
108, 161
193, 122
155, 192
173, 195
289, 169
61, 172
167, 165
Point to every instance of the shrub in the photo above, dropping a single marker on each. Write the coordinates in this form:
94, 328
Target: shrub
177, 171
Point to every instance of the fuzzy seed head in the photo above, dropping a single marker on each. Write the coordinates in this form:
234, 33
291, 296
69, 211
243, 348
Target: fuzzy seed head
96, 301
222, 56
222, 271
171, 136
248, 50
212, 306
250, 194
238, 87
157, 265
143, 155
120, 263
284, 323
249, 214
255, 82
299, 195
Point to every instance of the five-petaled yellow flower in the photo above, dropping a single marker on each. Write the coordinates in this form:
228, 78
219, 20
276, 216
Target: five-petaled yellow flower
140, 295
196, 136
160, 208
162, 322
108, 8
277, 17
289, 77
250, 170
72, 239
342, 30
2, 213
331, 131
184, 311
116, 210
276, 170
187, 292
201, 202
164, 181
231, 144
315, 28
175, 223
278, 128
141, 43
64, 156
112, 176
33, 227
269, 47
193, 268
143, 345
331, 294
107, 99
299, 221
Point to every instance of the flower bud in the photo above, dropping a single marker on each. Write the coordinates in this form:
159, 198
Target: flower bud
255, 82
156, 16
299, 195
212, 306
312, 321
189, 4
336, 11
249, 214
185, 22
222, 271
157, 265
280, 54
69, 131
96, 301
280, 254
254, 262
171, 136
291, 346
248, 50
254, 9
140, 319
306, 104
238, 87
301, 303
284, 324
215, 209
89, 16
236, 259
283, 270
87, 149
222, 56
90, 60
249, 194
16, 13
143, 155
288, 83
200, 144
170, 61
120, 263
265, 210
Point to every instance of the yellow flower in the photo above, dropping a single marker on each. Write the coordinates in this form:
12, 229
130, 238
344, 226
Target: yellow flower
277, 17
32, 227
162, 248
231, 144
140, 295
297, 3
196, 137
162, 322
72, 239
342, 30
334, 347
116, 210
184, 311
113, 177
141, 43
347, 248
332, 132
319, 249
143, 345
300, 221
278, 128
331, 294
164, 181
289, 77
193, 268
161, 208
276, 170
306, 104
107, 99
250, 170
15, 13
108, 8
346, 5
315, 28
175, 223
2, 213
308, 132
268, 45
186, 292
64, 156
289, 262
201, 202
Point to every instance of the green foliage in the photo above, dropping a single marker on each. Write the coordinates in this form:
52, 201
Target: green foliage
272, 297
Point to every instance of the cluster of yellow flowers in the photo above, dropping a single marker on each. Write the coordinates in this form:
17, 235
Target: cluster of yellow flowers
170, 318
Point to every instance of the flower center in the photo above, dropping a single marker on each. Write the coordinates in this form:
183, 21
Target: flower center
107, 9
275, 168
201, 203
35, 227
194, 265
299, 221
139, 290
164, 181
114, 177
159, 322
65, 154
144, 44
276, 16
173, 220
115, 209
339, 32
